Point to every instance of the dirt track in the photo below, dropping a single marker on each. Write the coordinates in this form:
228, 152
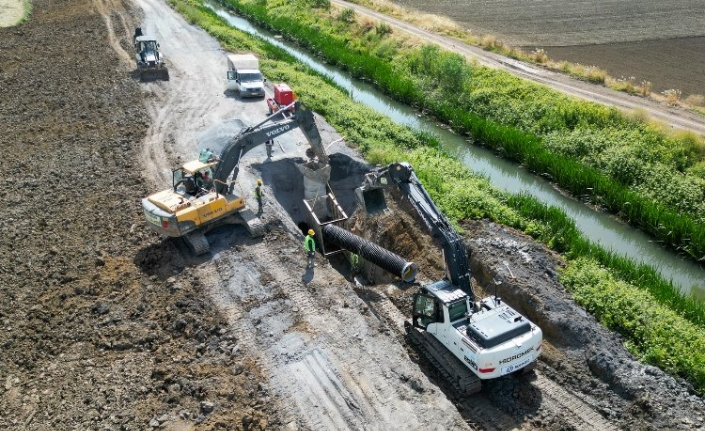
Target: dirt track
676, 117
105, 326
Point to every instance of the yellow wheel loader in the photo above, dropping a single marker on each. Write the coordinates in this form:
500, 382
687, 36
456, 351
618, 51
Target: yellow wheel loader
202, 197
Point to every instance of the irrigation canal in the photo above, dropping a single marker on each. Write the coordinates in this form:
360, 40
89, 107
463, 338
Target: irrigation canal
597, 226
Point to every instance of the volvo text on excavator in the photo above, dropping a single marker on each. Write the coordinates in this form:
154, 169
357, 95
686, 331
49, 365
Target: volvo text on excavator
467, 339
202, 197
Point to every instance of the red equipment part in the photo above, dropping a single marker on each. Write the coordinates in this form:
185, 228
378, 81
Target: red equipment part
283, 96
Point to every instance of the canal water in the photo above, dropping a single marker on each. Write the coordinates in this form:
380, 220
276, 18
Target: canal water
597, 226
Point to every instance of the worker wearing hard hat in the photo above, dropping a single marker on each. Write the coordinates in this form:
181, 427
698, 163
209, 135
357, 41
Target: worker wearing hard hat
258, 195
310, 247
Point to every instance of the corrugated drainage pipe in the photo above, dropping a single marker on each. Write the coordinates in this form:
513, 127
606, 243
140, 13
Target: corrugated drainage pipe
381, 257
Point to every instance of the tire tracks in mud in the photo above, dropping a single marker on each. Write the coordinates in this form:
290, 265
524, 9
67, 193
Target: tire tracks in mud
191, 101
332, 365
112, 10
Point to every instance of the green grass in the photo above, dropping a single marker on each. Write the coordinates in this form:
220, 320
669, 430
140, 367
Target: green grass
461, 194
656, 334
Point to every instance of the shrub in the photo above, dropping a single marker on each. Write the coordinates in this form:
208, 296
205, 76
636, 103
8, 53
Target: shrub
539, 56
595, 75
321, 4
383, 28
672, 96
645, 88
452, 73
347, 15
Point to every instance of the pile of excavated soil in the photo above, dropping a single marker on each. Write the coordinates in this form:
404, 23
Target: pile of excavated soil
91, 335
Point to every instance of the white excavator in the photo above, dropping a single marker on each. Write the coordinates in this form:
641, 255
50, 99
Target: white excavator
467, 339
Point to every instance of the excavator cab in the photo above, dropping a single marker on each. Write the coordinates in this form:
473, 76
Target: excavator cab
189, 177
427, 310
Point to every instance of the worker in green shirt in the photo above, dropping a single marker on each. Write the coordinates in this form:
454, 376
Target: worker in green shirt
310, 247
258, 195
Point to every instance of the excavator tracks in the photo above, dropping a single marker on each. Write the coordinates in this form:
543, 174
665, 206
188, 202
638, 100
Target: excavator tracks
463, 381
197, 243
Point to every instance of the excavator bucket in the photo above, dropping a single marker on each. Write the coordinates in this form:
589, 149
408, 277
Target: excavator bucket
371, 199
154, 74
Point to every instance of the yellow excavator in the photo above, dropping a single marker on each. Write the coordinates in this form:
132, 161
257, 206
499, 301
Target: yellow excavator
202, 197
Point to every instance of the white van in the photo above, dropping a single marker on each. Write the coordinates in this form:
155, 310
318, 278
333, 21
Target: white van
244, 76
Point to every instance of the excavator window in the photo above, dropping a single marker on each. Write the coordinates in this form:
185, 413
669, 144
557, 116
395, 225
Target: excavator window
457, 310
426, 310
178, 175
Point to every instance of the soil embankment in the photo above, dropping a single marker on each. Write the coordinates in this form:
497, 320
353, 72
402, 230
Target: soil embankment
89, 338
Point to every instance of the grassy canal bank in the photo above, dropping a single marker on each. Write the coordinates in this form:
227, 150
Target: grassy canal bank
651, 178
662, 327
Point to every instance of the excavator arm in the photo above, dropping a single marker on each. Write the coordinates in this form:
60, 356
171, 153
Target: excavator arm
251, 137
454, 252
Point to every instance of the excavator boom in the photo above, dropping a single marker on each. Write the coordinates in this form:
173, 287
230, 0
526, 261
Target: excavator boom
257, 135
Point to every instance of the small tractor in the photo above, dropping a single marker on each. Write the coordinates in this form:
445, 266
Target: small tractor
150, 60
283, 97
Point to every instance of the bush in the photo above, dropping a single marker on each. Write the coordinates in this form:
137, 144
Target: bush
347, 15
383, 29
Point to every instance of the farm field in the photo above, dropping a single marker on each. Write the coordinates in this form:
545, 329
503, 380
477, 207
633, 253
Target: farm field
660, 42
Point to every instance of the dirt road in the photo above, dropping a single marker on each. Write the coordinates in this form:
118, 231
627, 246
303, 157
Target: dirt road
333, 353
103, 325
676, 117
10, 12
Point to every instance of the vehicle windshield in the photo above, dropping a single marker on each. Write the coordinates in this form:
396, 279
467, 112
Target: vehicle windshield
457, 310
250, 77
178, 175
149, 45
